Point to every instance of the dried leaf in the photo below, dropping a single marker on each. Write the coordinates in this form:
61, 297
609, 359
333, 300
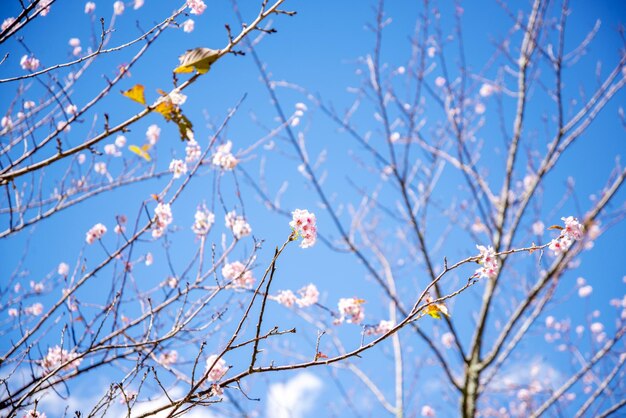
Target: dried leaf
199, 59
136, 93
560, 228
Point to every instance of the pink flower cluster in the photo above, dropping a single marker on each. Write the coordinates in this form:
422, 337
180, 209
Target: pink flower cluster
168, 358
96, 232
237, 224
34, 414
237, 273
223, 157
383, 327
489, 263
197, 6
572, 231
163, 217
153, 133
178, 168
216, 369
203, 221
352, 308
309, 295
57, 356
192, 151
29, 63
304, 224
35, 309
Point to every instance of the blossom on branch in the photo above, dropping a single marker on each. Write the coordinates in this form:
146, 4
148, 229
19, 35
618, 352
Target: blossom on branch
163, 217
216, 369
489, 262
58, 356
238, 274
223, 157
197, 6
204, 219
352, 308
573, 231
309, 295
178, 168
237, 224
304, 224
96, 232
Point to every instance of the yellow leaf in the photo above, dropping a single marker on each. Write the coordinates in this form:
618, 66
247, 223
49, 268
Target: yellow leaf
199, 59
556, 227
165, 108
136, 93
140, 151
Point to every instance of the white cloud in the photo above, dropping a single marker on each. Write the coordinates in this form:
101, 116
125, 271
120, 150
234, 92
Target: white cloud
295, 398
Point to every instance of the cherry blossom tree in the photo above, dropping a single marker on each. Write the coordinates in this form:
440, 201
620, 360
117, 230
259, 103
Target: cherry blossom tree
420, 234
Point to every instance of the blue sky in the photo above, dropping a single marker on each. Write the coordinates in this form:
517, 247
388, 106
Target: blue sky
322, 49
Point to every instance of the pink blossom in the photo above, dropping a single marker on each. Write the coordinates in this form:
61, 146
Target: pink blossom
6, 122
35, 309
352, 308
96, 232
479, 108
120, 141
192, 151
204, 219
309, 295
111, 149
188, 25
90, 7
7, 22
286, 298
197, 6
304, 225
29, 63
44, 6
63, 126
223, 157
138, 4
237, 224
178, 168
239, 276
77, 51
34, 414
216, 369
81, 158
573, 228
560, 245
153, 133
12, 312
163, 217
440, 81
486, 90
36, 287
394, 137
447, 339
172, 282
168, 358
538, 228
100, 168
58, 356
118, 7
29, 104
383, 327
428, 411
74, 42
301, 106
431, 51
489, 261
596, 327
585, 291
550, 321
149, 259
